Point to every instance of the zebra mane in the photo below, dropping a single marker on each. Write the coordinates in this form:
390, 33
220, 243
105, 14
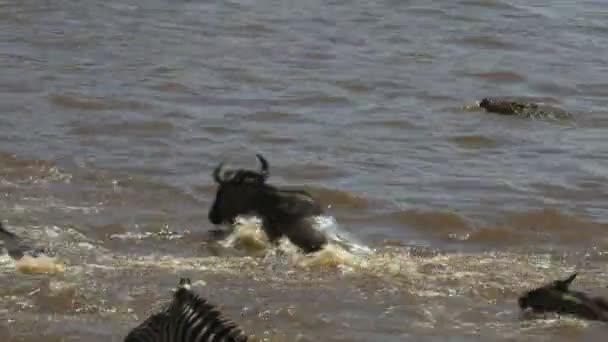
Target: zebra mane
203, 317
189, 318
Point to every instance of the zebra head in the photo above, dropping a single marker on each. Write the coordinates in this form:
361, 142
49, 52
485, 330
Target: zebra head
189, 318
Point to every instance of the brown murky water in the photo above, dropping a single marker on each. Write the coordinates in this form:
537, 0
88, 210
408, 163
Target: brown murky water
113, 114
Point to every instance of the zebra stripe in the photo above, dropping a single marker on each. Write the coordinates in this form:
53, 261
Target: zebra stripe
189, 318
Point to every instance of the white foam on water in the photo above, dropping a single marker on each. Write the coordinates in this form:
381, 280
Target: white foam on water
247, 234
330, 226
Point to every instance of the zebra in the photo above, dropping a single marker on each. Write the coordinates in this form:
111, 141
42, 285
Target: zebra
188, 318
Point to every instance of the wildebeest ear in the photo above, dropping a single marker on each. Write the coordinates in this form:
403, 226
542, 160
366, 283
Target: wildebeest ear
563, 285
263, 166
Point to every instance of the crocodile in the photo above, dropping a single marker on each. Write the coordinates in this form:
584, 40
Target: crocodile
523, 109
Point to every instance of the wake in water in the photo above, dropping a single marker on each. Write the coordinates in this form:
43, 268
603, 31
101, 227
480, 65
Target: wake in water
341, 249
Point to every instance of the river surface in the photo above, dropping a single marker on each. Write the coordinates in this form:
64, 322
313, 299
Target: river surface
114, 113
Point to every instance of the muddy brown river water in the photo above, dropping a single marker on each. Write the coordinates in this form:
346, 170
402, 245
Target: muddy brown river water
114, 113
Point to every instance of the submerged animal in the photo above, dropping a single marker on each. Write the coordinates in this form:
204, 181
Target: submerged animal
27, 258
188, 318
523, 109
558, 298
283, 212
15, 248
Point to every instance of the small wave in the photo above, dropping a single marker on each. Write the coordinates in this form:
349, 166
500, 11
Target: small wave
500, 76
487, 42
272, 116
315, 170
20, 170
593, 89
557, 88
353, 86
427, 11
172, 87
253, 29
164, 234
82, 102
559, 225
338, 198
400, 124
492, 235
536, 226
18, 87
500, 5
43, 205
272, 138
133, 128
474, 141
318, 99
435, 222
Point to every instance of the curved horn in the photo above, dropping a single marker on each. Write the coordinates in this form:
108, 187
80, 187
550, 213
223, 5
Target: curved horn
216, 173
263, 165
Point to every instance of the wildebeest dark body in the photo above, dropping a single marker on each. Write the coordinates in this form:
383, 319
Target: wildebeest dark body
557, 297
283, 212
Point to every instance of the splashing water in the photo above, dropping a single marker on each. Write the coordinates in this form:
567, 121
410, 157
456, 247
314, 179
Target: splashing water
341, 251
248, 235
329, 226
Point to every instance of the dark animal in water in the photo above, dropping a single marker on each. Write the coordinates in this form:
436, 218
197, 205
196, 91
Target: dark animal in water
283, 212
189, 318
15, 248
558, 298
521, 108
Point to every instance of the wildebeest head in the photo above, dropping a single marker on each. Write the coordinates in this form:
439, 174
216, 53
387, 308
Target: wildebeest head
238, 192
554, 296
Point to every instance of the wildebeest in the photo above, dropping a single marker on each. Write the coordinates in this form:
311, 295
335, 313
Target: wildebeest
283, 212
189, 318
558, 298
